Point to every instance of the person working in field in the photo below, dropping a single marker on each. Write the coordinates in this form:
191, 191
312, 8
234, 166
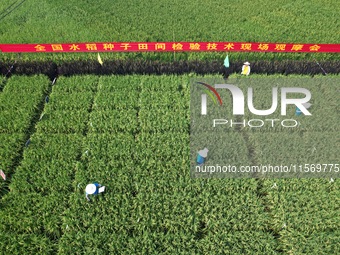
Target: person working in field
246, 68
93, 189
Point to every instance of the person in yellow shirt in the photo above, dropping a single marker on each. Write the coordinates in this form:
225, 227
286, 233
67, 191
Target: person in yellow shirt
246, 68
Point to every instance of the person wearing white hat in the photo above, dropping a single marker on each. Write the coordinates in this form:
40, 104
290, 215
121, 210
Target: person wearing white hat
246, 68
93, 189
201, 156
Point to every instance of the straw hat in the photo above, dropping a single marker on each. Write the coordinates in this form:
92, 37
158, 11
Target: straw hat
246, 63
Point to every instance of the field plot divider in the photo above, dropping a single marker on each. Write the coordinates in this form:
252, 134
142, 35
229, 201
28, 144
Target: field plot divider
39, 111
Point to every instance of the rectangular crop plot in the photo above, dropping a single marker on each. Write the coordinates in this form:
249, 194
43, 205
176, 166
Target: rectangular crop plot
110, 84
66, 122
70, 101
112, 121
118, 100
9, 148
75, 84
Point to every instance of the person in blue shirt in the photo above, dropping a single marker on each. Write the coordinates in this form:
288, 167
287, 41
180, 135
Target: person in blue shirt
92, 189
201, 155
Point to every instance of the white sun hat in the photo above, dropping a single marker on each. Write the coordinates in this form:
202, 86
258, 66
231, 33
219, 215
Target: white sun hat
246, 63
203, 153
90, 189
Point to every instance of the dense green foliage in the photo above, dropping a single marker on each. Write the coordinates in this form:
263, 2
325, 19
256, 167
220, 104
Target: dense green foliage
104, 21
208, 21
18, 106
131, 134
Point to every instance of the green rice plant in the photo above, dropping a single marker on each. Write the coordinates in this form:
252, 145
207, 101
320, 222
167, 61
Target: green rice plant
69, 101
22, 96
63, 122
19, 101
75, 84
54, 176
42, 214
165, 205
106, 170
120, 84
117, 146
114, 121
239, 242
163, 120
165, 83
27, 244
14, 122
321, 242
169, 100
118, 100
302, 210
24, 85
44, 147
9, 150
162, 146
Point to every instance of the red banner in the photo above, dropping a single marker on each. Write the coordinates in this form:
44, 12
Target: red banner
170, 46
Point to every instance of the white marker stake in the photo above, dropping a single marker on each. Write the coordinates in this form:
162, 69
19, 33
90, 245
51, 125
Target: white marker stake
41, 116
3, 175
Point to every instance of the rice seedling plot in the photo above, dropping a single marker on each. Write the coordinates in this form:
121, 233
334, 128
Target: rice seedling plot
39, 185
29, 243
131, 134
9, 151
19, 102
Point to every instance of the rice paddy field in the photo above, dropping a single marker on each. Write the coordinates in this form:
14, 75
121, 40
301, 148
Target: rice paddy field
131, 133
